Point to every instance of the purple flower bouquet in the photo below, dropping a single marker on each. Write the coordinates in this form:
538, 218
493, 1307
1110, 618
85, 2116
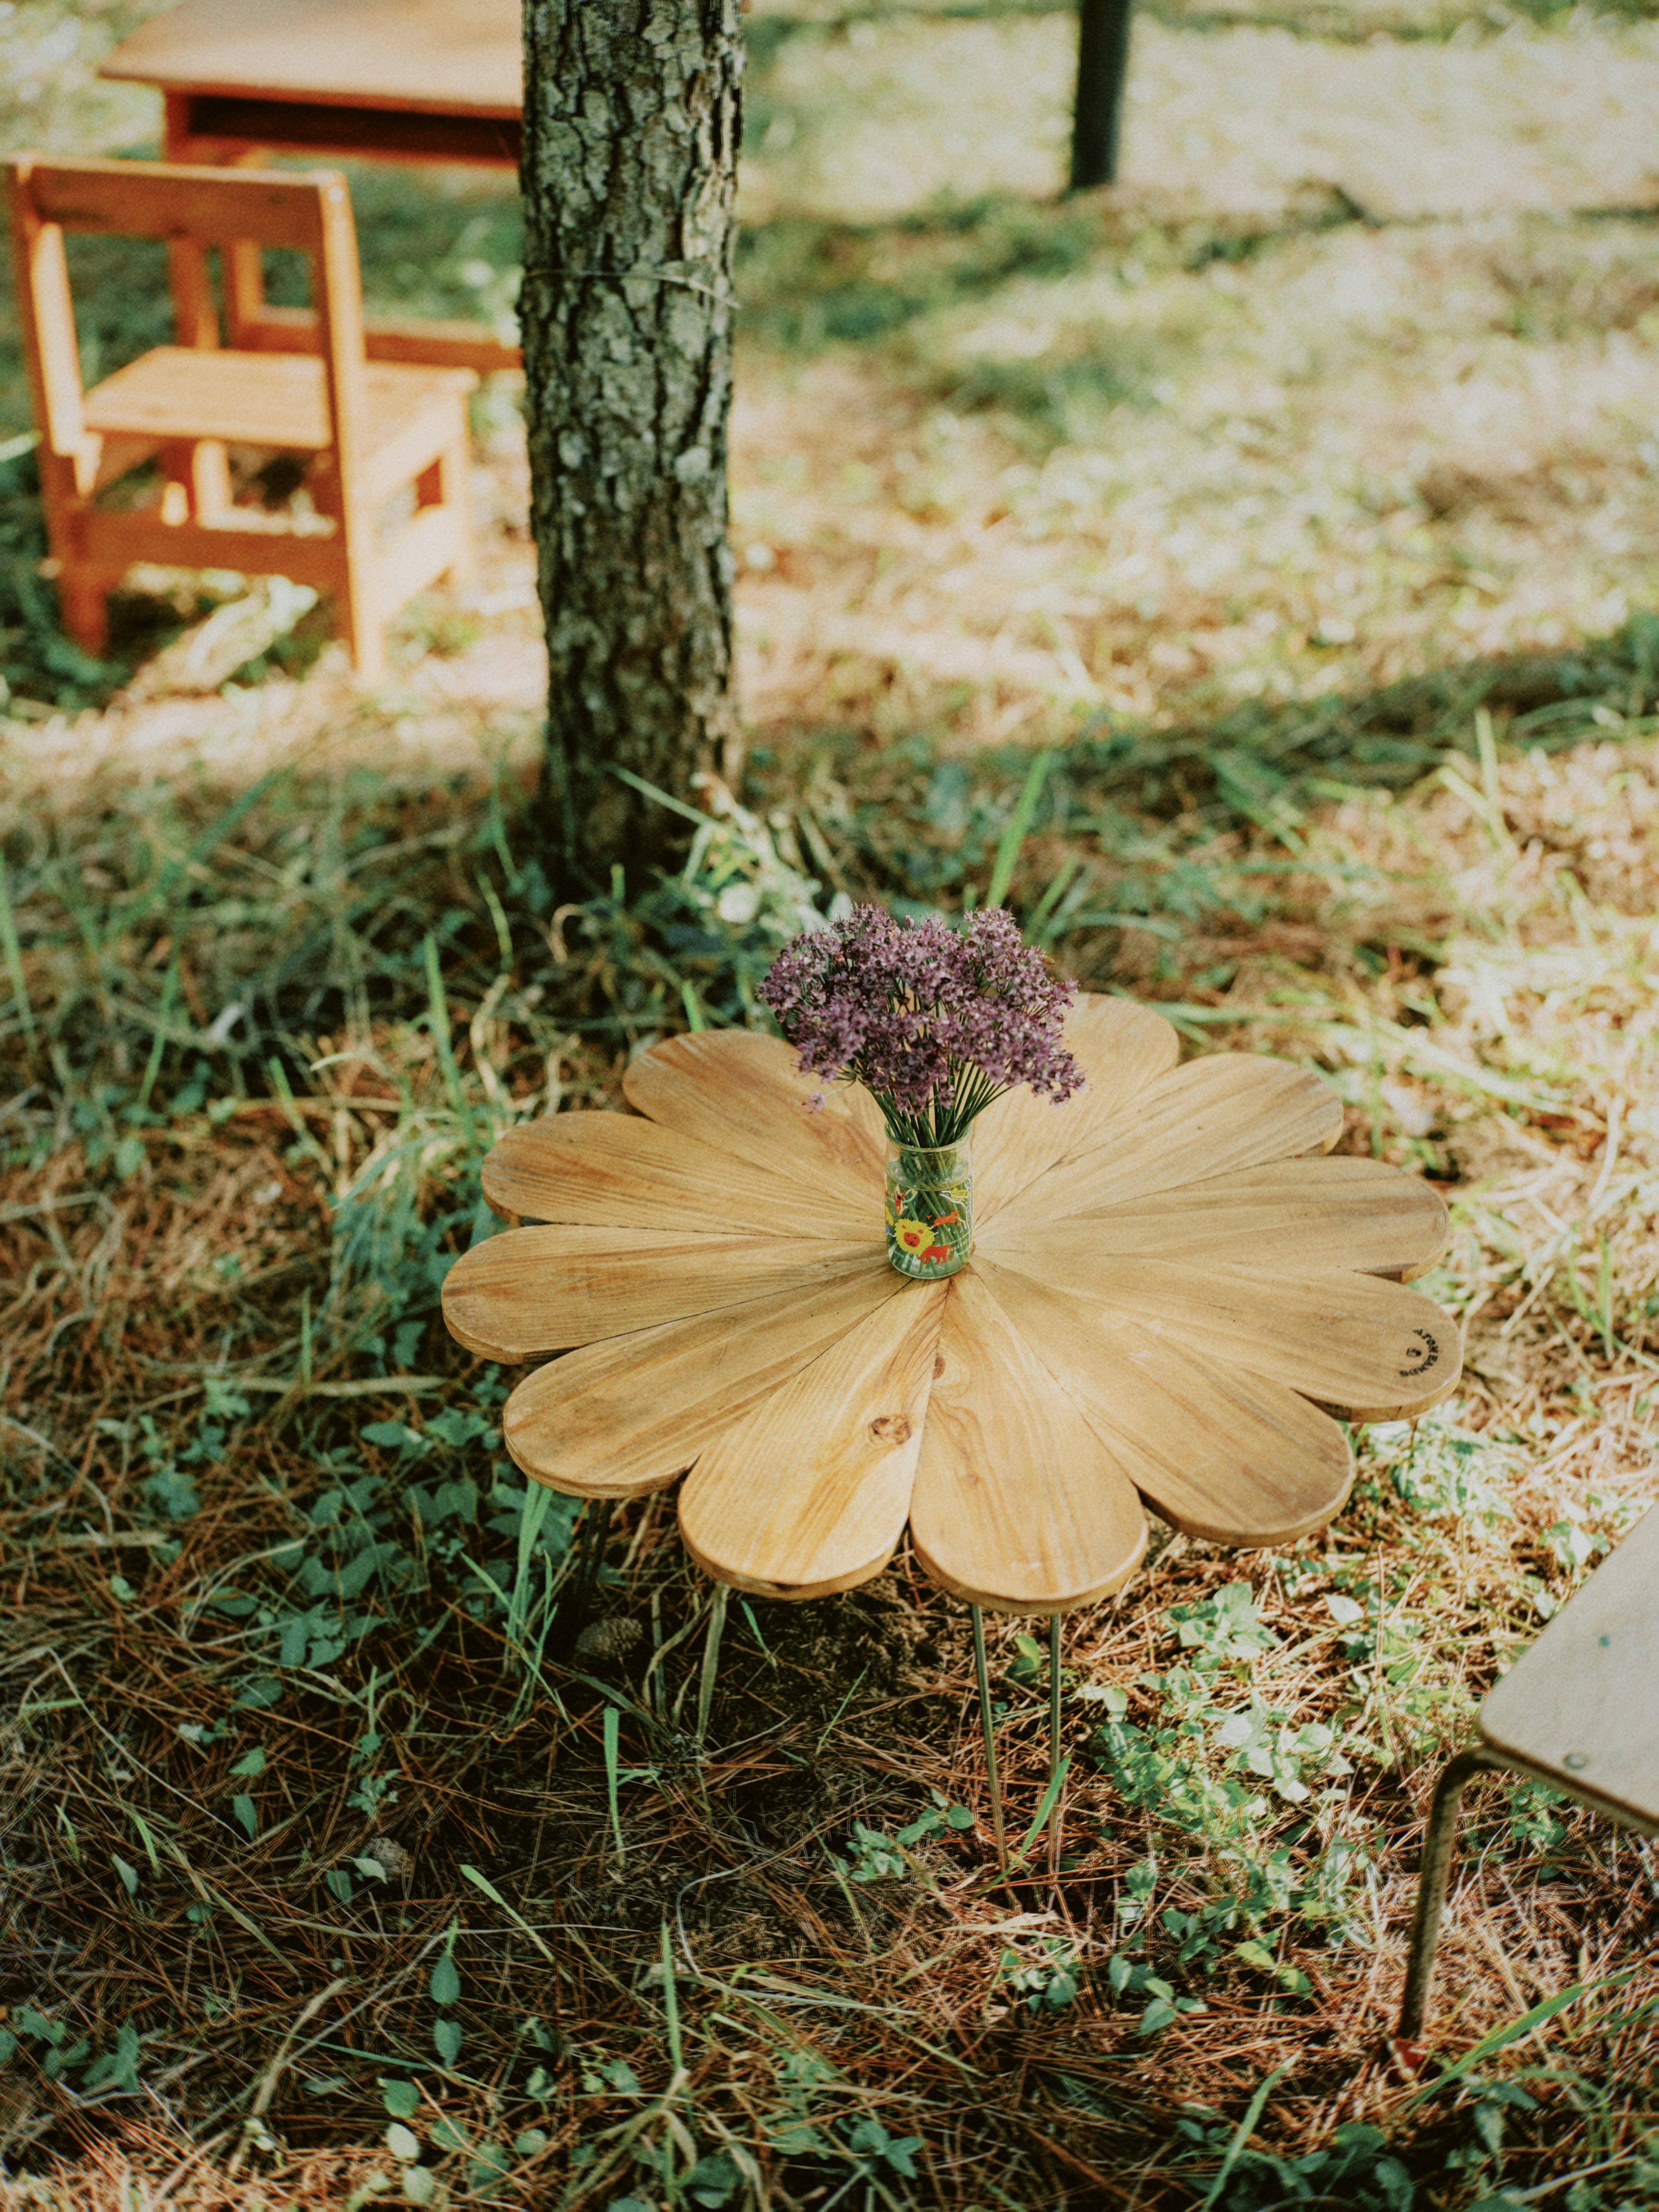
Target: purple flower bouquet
937, 1023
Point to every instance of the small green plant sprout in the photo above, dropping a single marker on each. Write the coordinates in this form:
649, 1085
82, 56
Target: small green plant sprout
872, 2147
374, 1790
1251, 1952
248, 1767
613, 2077
445, 1989
832, 2141
1135, 1895
1110, 1695
1488, 2104
1045, 1977
62, 2049
878, 1856
1536, 1818
1223, 1630
551, 2046
875, 1856
1263, 1743
1442, 1473
59, 2051
1355, 2169
489, 2169
1130, 1977
403, 2142
713, 2181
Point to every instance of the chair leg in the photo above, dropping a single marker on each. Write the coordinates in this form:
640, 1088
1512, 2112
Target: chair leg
446, 483
84, 608
1438, 1841
200, 468
357, 611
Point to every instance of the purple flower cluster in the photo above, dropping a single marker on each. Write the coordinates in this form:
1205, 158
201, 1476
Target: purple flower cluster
935, 1023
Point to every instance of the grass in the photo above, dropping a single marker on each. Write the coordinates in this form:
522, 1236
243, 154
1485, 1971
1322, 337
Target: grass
1263, 594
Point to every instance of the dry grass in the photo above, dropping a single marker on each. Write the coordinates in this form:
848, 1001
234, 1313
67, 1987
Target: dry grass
1316, 551
870, 121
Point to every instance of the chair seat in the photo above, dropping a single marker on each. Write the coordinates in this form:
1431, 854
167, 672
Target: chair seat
1581, 1708
277, 400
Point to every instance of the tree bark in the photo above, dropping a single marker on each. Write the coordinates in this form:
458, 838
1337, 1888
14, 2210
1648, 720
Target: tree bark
632, 119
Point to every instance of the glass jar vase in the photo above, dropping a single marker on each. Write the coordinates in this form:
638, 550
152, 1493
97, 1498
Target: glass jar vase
930, 1209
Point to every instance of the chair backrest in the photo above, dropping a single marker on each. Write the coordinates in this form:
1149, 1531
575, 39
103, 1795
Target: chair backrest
309, 213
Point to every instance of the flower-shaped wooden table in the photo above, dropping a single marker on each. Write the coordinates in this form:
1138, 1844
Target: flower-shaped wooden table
1171, 1294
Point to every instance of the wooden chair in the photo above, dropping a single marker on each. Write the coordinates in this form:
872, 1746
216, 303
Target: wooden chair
1580, 1710
381, 436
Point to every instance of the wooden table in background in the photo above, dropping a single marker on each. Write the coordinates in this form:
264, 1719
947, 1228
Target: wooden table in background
369, 80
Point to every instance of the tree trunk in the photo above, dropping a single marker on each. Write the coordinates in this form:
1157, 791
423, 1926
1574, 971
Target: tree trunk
632, 117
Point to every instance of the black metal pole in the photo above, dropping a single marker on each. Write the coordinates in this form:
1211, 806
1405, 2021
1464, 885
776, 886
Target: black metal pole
589, 1558
1438, 1841
1102, 63
988, 1730
1054, 1703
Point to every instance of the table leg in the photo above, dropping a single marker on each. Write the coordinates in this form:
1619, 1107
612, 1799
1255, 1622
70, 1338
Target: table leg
1438, 1841
992, 1781
1053, 1737
711, 1658
201, 467
1103, 64
590, 1554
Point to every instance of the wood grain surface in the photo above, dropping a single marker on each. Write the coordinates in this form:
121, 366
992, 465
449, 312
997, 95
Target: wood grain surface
1294, 1214
454, 57
1224, 1454
620, 1170
1581, 1708
854, 1103
744, 1095
1170, 1285
1212, 1117
1343, 1339
628, 1415
529, 1291
1018, 1505
266, 399
809, 1493
1122, 1047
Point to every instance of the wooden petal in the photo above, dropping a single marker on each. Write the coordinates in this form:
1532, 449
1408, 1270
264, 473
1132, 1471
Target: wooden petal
621, 1417
1018, 1505
1212, 1117
1351, 1340
1122, 1047
855, 1101
809, 1493
744, 1095
530, 1292
621, 1171
1231, 1457
1293, 1215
